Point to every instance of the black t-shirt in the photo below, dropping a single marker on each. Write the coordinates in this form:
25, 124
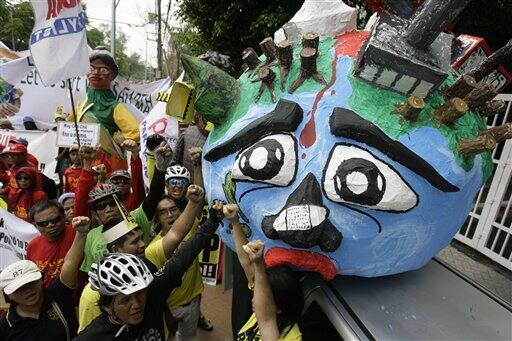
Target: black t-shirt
165, 280
48, 326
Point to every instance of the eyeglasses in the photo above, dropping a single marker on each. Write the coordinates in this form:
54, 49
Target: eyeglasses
26, 177
103, 205
99, 69
168, 211
177, 182
48, 222
120, 181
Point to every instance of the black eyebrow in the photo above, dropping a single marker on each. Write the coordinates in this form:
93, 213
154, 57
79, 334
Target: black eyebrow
286, 117
346, 123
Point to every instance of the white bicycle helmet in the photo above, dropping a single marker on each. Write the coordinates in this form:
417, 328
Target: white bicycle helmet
177, 171
119, 273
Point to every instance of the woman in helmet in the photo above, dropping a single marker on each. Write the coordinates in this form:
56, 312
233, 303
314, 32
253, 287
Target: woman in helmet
131, 298
177, 179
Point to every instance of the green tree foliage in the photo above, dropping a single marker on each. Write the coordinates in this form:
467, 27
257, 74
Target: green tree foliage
230, 26
16, 25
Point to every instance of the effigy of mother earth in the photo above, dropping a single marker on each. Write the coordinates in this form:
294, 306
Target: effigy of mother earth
358, 153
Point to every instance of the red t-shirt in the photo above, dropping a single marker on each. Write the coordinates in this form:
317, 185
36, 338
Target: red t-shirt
49, 256
71, 176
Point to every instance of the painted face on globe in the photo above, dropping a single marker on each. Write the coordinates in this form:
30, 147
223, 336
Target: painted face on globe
333, 180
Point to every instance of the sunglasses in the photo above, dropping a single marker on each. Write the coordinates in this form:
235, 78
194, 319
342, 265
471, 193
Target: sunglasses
103, 205
48, 222
23, 177
122, 181
177, 182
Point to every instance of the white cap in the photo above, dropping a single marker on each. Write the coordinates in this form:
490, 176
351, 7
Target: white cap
18, 274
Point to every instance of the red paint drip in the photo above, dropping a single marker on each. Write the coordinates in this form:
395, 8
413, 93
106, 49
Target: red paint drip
349, 43
308, 134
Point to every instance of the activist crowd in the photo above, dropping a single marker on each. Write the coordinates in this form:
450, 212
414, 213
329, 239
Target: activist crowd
116, 259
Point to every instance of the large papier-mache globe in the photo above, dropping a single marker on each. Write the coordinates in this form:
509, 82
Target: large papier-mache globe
346, 154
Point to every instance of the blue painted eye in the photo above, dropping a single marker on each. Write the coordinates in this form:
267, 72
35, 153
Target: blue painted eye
355, 176
272, 160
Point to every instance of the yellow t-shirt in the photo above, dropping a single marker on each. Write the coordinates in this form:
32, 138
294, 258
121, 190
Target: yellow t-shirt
88, 308
251, 332
192, 282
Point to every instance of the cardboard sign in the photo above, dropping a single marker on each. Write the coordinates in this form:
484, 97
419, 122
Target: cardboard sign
89, 134
180, 101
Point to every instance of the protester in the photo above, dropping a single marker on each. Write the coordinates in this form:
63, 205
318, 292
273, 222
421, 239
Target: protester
38, 312
28, 191
278, 299
102, 202
132, 191
67, 200
177, 178
15, 157
30, 158
194, 136
29, 124
131, 297
72, 173
184, 302
49, 249
122, 239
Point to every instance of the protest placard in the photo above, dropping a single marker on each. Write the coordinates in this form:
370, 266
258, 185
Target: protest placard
89, 134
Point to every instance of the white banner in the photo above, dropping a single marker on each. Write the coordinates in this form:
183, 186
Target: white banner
41, 144
58, 42
15, 234
157, 122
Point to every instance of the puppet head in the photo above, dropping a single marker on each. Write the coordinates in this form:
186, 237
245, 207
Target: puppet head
346, 154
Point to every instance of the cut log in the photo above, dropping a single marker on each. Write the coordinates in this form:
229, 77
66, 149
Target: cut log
310, 39
269, 49
499, 133
461, 87
411, 109
451, 110
499, 57
308, 57
250, 58
491, 108
285, 57
267, 77
478, 96
479, 144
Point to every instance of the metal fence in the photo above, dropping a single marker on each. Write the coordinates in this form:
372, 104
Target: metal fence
488, 228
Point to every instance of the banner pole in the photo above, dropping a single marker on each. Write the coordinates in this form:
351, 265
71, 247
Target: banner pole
74, 112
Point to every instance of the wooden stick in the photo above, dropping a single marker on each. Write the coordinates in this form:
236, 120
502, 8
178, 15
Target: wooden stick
250, 58
478, 145
451, 110
492, 108
461, 87
310, 39
478, 96
499, 133
269, 49
410, 110
74, 113
285, 57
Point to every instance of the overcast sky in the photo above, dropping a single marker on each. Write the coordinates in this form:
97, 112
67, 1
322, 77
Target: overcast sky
132, 18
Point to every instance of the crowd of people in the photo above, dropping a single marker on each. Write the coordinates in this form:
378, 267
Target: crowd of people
116, 260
